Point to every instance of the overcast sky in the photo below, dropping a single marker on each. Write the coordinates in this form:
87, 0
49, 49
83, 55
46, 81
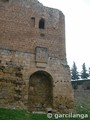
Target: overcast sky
77, 16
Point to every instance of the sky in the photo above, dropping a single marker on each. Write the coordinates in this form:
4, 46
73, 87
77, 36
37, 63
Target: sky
77, 29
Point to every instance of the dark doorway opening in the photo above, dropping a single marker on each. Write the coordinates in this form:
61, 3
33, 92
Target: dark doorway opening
40, 91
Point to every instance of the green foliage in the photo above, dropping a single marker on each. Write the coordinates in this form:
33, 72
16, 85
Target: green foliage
10, 114
82, 105
74, 72
84, 73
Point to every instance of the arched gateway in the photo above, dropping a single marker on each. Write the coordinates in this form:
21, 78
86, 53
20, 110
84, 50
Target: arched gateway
40, 91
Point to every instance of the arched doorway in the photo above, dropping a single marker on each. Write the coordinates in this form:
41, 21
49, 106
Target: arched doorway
40, 91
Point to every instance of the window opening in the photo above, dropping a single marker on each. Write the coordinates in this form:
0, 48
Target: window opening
33, 21
42, 24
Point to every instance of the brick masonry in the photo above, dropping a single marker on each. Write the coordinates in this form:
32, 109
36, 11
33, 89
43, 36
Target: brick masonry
34, 74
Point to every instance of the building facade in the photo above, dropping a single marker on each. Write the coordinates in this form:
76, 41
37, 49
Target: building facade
34, 74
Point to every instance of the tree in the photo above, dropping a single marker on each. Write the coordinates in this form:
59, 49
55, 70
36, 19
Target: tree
84, 73
89, 71
74, 72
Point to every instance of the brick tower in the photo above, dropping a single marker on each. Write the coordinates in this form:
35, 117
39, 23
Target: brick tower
33, 69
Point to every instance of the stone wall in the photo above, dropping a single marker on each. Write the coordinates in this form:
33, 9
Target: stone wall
15, 70
31, 57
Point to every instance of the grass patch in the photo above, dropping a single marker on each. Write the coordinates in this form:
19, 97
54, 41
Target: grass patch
11, 114
15, 114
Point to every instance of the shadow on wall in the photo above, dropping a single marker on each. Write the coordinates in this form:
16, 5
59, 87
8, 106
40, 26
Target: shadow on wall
40, 91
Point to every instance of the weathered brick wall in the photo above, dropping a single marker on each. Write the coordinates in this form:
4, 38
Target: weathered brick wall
17, 32
20, 59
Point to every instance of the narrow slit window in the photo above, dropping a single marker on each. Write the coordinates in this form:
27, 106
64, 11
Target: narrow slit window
42, 24
33, 21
